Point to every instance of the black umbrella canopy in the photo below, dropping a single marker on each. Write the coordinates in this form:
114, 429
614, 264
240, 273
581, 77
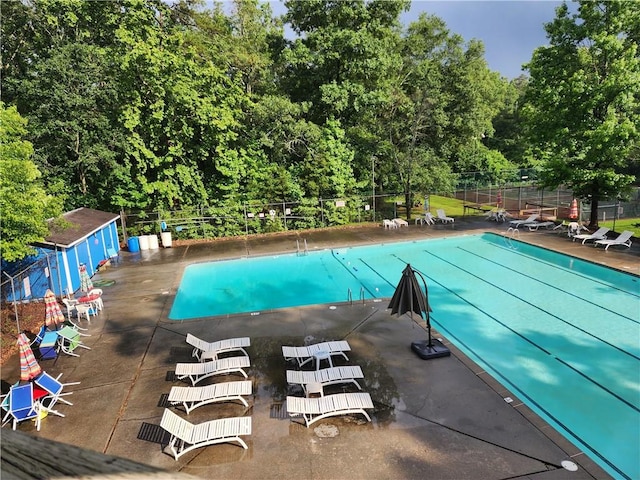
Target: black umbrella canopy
409, 297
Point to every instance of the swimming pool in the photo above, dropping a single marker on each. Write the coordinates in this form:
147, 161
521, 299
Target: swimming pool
561, 333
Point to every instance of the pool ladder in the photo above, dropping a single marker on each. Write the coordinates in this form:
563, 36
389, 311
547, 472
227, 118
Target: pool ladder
306, 248
512, 234
350, 295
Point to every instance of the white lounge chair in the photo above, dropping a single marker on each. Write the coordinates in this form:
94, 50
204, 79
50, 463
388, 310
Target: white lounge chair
194, 397
314, 409
443, 217
427, 219
325, 376
203, 350
400, 222
600, 234
185, 436
534, 226
196, 372
306, 354
521, 223
623, 239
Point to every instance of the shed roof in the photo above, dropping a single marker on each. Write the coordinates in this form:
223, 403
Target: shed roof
83, 222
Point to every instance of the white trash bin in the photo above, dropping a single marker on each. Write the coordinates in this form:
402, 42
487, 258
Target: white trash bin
144, 242
153, 242
166, 239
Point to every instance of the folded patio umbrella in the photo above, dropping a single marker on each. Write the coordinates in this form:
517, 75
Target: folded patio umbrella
53, 315
29, 367
573, 211
408, 297
85, 282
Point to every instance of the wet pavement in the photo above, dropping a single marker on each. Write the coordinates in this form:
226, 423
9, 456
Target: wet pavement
438, 419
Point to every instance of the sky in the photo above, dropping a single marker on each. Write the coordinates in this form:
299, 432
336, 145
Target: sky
510, 29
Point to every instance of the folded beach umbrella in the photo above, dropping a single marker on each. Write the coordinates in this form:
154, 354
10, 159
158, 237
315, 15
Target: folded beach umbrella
409, 297
53, 315
573, 211
29, 367
85, 282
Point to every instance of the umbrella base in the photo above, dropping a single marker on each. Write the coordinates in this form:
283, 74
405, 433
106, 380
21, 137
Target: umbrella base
426, 352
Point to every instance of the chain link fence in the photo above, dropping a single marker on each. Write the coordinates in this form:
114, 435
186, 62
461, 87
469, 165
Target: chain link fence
247, 218
515, 190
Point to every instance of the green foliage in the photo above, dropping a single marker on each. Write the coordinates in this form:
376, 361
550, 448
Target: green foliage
508, 137
583, 101
160, 106
326, 169
24, 203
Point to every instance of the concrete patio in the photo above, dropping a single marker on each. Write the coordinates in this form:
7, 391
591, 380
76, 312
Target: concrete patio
437, 419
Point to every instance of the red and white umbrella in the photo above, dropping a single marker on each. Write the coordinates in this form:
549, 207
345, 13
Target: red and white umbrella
53, 315
29, 367
573, 211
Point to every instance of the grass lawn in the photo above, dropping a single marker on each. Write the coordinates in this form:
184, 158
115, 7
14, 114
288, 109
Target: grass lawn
454, 208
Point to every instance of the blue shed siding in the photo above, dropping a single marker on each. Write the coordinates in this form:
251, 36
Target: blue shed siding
61, 273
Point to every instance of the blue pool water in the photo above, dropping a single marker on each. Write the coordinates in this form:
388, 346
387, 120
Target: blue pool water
561, 333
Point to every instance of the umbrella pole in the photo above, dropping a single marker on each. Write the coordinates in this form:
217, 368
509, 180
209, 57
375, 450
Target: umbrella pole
430, 349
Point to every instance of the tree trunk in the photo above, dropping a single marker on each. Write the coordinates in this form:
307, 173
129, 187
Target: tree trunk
408, 204
593, 220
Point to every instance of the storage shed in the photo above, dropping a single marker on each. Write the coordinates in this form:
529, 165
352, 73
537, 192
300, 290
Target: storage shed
86, 236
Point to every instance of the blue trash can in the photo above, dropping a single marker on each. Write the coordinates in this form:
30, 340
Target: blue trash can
133, 244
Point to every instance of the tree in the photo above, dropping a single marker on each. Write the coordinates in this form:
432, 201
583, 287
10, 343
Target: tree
508, 136
442, 103
342, 64
57, 71
70, 98
24, 204
181, 114
583, 100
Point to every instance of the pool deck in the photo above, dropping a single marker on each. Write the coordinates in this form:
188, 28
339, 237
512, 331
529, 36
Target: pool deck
439, 419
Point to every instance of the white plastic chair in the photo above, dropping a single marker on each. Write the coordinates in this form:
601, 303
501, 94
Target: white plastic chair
386, 223
83, 310
97, 303
70, 304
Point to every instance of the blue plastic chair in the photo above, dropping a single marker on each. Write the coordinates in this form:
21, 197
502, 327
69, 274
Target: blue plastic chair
21, 406
54, 388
